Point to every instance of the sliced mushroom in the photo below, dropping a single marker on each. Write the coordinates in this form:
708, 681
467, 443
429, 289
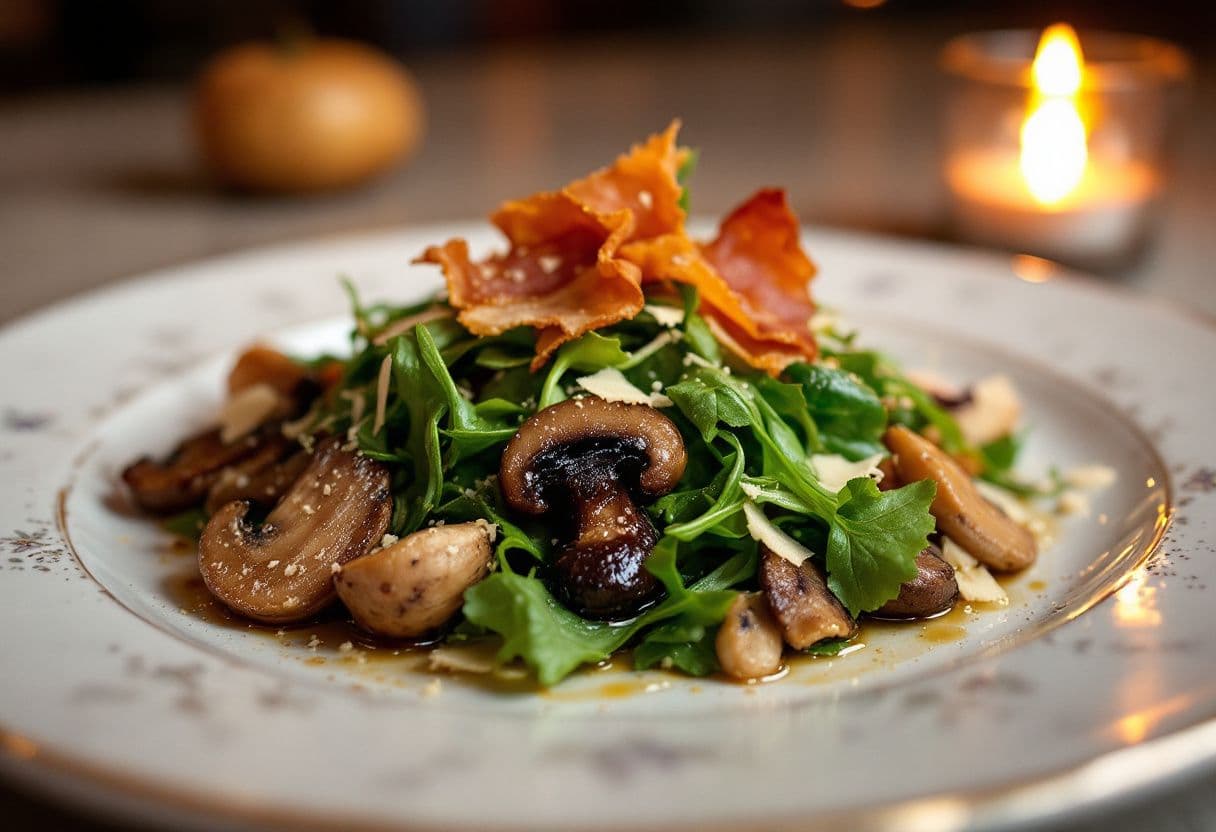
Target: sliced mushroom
336, 511
592, 458
261, 479
981, 528
749, 643
801, 602
183, 480
933, 591
415, 586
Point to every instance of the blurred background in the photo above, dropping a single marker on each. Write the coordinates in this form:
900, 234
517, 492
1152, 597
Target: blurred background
840, 101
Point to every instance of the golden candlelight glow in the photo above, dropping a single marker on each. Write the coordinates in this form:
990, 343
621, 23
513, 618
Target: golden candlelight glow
1136, 603
1054, 151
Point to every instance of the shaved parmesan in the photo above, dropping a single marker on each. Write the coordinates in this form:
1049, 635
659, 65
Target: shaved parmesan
1091, 477
668, 316
975, 582
766, 531
247, 410
834, 471
407, 324
611, 385
993, 412
386, 368
1073, 502
661, 340
1005, 501
461, 659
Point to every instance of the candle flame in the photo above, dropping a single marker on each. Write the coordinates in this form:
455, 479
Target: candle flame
1053, 139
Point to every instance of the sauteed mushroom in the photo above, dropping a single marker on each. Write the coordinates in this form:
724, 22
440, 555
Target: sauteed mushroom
185, 477
336, 510
592, 457
934, 589
963, 515
749, 644
801, 602
414, 586
261, 479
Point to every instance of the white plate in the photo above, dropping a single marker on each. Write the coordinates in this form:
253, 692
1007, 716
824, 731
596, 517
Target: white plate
116, 695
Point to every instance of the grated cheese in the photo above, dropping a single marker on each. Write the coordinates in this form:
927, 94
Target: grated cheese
386, 367
611, 385
407, 324
975, 582
993, 412
246, 410
834, 471
1091, 477
668, 316
766, 531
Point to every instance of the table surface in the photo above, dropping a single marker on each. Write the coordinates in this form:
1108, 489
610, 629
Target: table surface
101, 185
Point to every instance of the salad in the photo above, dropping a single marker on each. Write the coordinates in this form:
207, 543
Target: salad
608, 436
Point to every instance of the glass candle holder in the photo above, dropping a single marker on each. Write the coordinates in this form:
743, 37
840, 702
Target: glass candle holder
1052, 156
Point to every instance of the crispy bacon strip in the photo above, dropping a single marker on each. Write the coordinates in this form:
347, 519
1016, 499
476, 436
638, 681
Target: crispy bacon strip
752, 279
562, 273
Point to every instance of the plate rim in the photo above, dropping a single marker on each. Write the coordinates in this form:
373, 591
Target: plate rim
61, 765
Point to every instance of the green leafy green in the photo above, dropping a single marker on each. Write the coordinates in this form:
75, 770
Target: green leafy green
553, 641
849, 415
588, 354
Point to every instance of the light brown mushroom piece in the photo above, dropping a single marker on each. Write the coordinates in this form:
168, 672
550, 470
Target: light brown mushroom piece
801, 602
282, 571
933, 591
749, 643
590, 460
962, 513
414, 586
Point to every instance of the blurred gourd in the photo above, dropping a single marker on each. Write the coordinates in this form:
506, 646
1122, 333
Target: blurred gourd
305, 115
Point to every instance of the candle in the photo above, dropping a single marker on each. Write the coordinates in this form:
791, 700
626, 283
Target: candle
1048, 155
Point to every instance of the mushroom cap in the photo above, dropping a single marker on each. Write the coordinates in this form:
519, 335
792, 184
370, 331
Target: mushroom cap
337, 510
933, 591
414, 586
535, 453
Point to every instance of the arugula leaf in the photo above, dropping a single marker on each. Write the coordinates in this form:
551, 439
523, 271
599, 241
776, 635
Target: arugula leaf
874, 540
469, 431
689, 647
553, 641
425, 403
188, 524
849, 415
697, 334
588, 354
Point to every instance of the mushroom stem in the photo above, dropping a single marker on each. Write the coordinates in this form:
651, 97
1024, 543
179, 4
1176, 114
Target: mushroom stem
611, 544
593, 458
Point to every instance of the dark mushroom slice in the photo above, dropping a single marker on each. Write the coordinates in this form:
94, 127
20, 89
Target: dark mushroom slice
415, 585
933, 591
593, 458
981, 528
336, 511
261, 479
801, 602
183, 480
